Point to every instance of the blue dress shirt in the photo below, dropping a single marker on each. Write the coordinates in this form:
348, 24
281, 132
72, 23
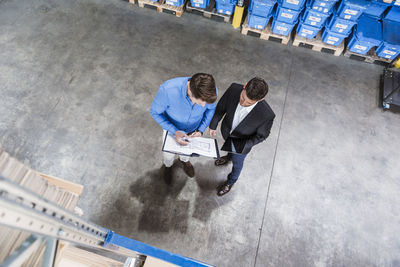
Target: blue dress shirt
174, 111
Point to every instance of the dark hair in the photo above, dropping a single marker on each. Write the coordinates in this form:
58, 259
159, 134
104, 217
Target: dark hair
202, 86
256, 89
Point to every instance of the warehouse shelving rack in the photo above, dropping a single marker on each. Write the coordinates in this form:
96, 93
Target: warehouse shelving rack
25, 210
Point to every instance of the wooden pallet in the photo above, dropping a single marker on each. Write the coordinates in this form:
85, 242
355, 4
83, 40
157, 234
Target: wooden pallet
209, 12
316, 44
265, 34
370, 57
162, 7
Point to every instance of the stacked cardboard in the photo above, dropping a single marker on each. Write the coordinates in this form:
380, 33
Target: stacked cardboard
58, 191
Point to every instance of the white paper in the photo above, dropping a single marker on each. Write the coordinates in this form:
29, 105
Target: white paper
286, 15
312, 18
332, 38
360, 47
389, 52
351, 12
280, 28
341, 26
307, 31
197, 145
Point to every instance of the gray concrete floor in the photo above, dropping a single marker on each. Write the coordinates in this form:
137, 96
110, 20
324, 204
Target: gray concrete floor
76, 82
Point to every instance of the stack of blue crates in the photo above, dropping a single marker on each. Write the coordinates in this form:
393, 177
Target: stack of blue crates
343, 20
286, 16
226, 7
199, 3
367, 34
259, 13
390, 46
314, 17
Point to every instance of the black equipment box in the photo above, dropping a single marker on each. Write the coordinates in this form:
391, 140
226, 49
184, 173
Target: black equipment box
390, 89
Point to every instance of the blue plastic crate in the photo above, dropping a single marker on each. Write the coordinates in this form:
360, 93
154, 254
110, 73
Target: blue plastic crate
282, 28
332, 38
323, 6
315, 18
393, 14
388, 51
340, 25
232, 2
224, 8
262, 8
366, 35
322, 9
257, 22
292, 4
390, 47
199, 3
226, 2
376, 8
351, 9
357, 46
174, 2
287, 15
307, 31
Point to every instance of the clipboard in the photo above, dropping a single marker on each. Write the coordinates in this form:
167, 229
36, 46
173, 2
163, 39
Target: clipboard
183, 150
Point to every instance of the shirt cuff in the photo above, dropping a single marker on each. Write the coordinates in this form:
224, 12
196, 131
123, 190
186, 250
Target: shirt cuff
201, 129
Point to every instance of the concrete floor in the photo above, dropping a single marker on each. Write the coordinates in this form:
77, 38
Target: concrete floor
77, 79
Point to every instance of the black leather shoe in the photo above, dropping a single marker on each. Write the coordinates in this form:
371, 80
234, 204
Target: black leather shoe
167, 175
222, 160
224, 189
188, 168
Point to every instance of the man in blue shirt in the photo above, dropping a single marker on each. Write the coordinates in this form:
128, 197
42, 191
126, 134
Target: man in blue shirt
184, 107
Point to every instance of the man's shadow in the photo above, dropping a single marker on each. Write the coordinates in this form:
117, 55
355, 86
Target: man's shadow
161, 210
209, 178
157, 208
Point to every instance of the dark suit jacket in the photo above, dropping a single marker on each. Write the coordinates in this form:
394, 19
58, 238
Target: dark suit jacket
253, 129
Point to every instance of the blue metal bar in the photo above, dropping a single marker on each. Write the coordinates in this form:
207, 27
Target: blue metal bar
114, 239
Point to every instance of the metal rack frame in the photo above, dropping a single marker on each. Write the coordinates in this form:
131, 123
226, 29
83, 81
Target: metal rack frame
27, 211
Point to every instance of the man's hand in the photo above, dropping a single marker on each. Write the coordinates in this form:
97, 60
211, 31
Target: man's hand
180, 136
196, 134
213, 132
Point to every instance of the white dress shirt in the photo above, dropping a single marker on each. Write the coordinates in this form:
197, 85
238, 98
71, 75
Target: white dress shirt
240, 113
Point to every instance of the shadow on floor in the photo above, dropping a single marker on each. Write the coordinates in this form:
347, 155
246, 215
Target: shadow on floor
158, 208
161, 210
208, 178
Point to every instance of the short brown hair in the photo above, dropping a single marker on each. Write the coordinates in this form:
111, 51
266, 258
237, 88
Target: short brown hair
256, 89
202, 86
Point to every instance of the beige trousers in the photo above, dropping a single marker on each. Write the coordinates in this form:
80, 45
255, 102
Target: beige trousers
170, 157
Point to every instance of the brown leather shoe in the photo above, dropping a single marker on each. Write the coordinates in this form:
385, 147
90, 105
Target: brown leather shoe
188, 168
224, 189
222, 160
167, 175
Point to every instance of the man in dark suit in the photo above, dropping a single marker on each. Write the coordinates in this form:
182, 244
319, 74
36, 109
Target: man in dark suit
247, 122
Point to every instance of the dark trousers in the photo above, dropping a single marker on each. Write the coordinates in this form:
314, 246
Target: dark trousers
237, 161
